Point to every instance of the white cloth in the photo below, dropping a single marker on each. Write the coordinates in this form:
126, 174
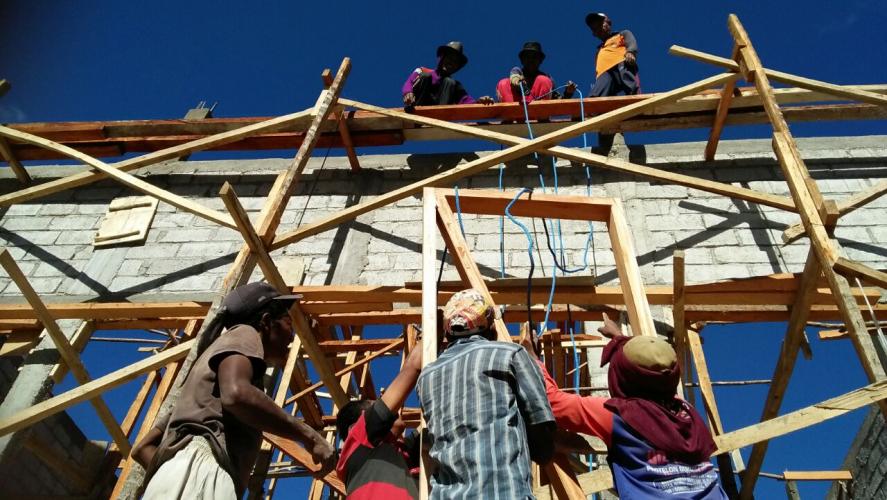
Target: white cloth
192, 473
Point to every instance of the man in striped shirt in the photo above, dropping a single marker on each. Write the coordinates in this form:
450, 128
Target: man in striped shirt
486, 409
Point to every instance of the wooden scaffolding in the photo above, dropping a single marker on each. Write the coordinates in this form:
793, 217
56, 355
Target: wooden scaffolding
821, 292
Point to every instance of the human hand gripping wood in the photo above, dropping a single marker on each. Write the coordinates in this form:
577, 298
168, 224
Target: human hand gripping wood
610, 328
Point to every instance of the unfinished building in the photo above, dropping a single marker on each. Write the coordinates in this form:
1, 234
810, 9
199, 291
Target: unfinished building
671, 236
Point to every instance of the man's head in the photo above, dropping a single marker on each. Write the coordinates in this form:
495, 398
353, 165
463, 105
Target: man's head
642, 367
350, 414
600, 24
261, 306
531, 57
466, 314
451, 58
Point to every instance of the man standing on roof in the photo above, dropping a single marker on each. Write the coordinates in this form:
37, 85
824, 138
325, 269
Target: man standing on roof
207, 445
429, 87
485, 405
528, 82
616, 69
658, 445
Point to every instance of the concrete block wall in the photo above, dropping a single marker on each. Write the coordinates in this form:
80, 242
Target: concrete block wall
867, 459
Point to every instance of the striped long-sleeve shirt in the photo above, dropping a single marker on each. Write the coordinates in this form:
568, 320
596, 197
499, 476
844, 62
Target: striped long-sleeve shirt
478, 397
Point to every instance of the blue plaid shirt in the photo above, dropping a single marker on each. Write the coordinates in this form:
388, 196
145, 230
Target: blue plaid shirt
477, 398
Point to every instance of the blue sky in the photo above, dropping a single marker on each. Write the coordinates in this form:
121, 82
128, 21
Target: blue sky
92, 60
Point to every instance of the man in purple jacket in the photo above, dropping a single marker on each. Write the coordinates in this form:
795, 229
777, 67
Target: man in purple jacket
429, 87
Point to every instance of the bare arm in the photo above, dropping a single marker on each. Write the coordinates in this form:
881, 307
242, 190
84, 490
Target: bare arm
404, 382
254, 408
143, 452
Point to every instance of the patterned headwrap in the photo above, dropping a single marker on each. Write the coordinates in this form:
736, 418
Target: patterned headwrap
467, 313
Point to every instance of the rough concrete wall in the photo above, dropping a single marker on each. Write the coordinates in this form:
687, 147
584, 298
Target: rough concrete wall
867, 459
51, 238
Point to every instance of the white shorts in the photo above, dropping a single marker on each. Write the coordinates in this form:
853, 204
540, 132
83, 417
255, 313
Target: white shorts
193, 472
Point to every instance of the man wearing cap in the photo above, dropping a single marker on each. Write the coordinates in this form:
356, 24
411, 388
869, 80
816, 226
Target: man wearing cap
528, 82
485, 405
429, 87
206, 446
658, 445
616, 69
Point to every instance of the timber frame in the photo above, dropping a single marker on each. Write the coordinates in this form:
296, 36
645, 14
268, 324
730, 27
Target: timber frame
820, 293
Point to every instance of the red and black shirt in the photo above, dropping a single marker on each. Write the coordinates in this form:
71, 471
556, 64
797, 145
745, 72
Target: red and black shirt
373, 463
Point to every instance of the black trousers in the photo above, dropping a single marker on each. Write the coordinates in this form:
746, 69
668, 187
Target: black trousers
619, 78
447, 91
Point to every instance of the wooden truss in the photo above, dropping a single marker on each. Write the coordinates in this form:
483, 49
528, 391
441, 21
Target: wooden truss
821, 292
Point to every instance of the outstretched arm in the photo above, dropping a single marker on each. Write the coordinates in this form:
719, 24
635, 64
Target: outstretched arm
405, 381
254, 408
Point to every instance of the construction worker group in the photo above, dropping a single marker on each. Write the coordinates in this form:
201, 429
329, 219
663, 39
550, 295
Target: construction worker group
491, 407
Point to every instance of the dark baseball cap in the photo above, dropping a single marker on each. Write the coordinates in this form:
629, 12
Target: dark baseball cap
244, 301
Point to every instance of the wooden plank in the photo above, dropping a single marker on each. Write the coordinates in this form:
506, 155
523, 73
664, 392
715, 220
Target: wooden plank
429, 309
818, 475
678, 315
127, 221
91, 389
19, 344
493, 202
845, 206
67, 352
522, 148
639, 315
461, 255
841, 91
717, 126
17, 168
107, 310
563, 480
344, 133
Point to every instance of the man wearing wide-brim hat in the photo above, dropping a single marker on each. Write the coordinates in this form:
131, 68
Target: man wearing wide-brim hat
528, 82
616, 66
429, 87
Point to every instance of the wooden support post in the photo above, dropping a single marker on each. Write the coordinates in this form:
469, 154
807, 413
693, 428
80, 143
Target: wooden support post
639, 315
64, 347
808, 200
717, 126
791, 490
844, 207
854, 269
680, 320
563, 480
461, 256
429, 307
342, 124
17, 168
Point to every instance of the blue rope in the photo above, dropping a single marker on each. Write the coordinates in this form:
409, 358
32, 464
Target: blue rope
459, 209
529, 251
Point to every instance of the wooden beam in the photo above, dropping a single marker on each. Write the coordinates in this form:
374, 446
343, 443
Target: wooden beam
17, 168
855, 269
91, 389
124, 178
845, 206
493, 202
794, 338
429, 311
522, 148
67, 352
717, 126
841, 91
563, 480
302, 456
639, 315
461, 255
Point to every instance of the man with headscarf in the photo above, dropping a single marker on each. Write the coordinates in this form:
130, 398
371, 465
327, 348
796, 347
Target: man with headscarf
207, 445
429, 87
485, 405
658, 445
528, 82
